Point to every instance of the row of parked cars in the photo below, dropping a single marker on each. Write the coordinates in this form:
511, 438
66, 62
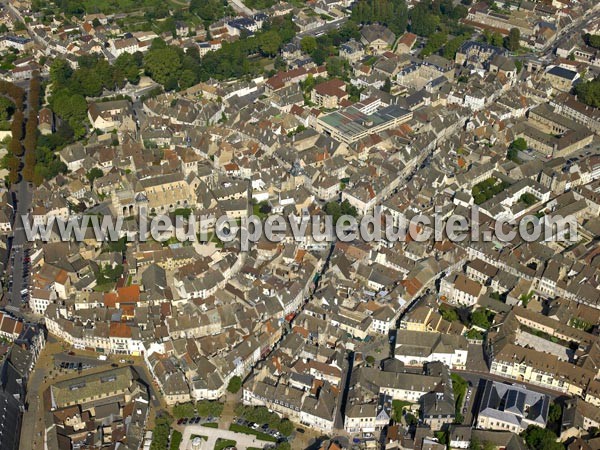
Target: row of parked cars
196, 420
74, 366
256, 427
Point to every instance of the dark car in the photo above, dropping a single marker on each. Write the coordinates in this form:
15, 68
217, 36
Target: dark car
300, 430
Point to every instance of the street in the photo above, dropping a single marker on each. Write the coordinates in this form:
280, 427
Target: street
18, 267
345, 387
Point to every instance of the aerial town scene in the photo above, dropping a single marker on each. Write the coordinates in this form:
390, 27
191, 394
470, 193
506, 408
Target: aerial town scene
301, 224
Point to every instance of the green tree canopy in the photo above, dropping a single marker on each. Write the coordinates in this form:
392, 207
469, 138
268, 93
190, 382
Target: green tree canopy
162, 64
392, 13
512, 41
589, 92
7, 108
93, 174
422, 21
235, 384
538, 438
308, 44
285, 427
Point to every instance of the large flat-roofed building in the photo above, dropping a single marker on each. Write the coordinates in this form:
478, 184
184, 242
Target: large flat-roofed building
360, 120
511, 407
120, 384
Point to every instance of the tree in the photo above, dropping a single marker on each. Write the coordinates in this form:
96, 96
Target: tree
370, 360
163, 64
72, 108
183, 410
208, 10
516, 146
387, 85
129, 66
593, 40
453, 45
518, 65
422, 21
482, 318
538, 438
392, 13
93, 174
334, 210
410, 419
589, 92
435, 43
108, 274
270, 42
235, 384
554, 413
15, 147
308, 44
17, 125
519, 144
512, 41
285, 427
528, 199
336, 67
448, 313
7, 108
320, 55
187, 79
161, 432
60, 72
496, 39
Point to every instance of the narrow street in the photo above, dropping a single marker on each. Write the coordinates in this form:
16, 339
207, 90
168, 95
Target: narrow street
345, 387
22, 196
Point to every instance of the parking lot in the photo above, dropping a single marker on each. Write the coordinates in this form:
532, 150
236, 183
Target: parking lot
197, 420
264, 428
67, 361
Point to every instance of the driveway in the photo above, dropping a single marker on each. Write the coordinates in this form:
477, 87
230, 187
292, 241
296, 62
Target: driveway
243, 441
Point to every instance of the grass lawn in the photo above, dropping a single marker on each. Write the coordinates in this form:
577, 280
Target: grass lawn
224, 443
175, 440
210, 425
247, 430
